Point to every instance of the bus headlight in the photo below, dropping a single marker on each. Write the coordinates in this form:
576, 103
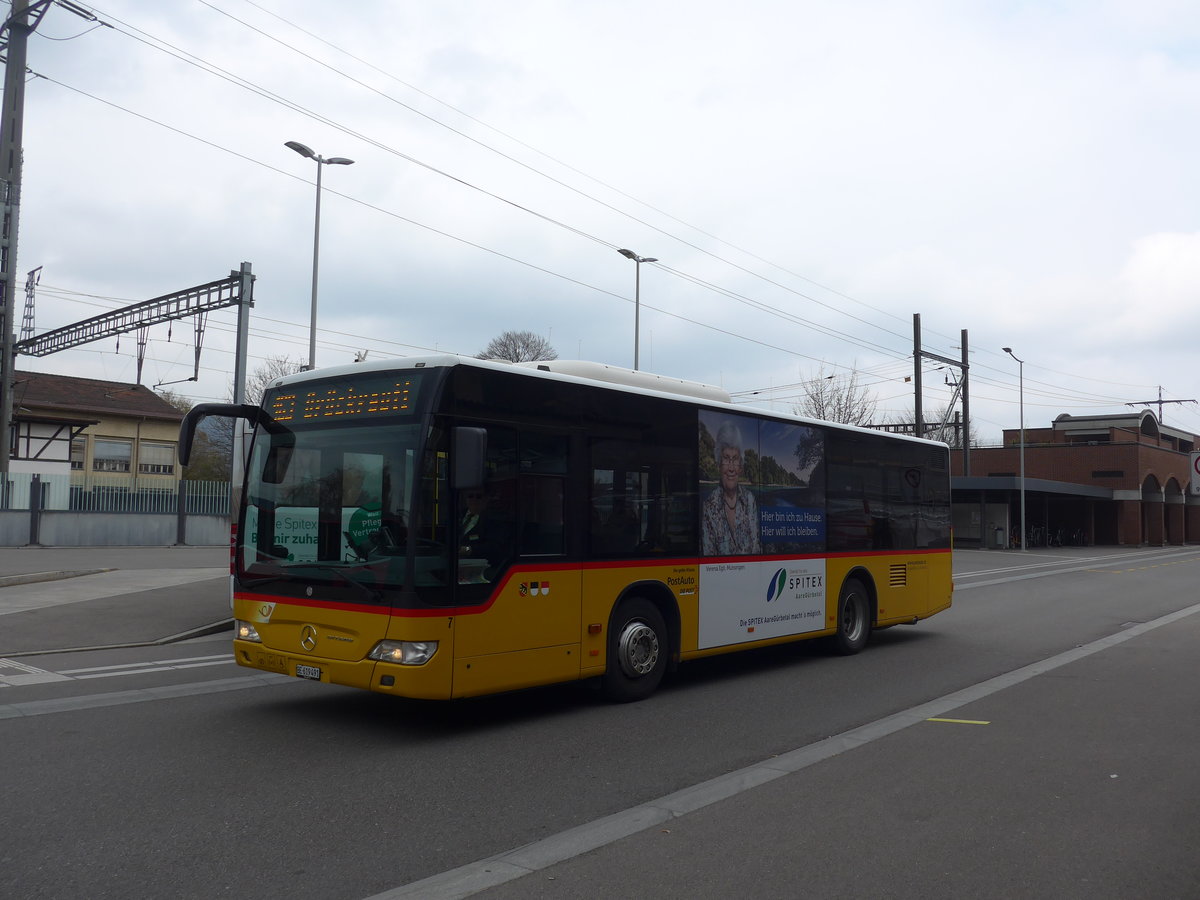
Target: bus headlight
405, 653
245, 631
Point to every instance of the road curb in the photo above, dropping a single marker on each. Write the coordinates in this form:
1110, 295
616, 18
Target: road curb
201, 631
35, 577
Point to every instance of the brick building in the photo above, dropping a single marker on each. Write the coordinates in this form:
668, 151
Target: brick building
1120, 479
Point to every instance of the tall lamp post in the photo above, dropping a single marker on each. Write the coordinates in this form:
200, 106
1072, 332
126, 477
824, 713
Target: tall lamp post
1021, 383
637, 298
321, 161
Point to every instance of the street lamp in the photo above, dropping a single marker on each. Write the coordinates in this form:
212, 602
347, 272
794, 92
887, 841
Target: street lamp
637, 298
321, 161
1021, 383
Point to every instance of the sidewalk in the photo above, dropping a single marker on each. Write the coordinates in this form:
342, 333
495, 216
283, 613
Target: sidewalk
54, 599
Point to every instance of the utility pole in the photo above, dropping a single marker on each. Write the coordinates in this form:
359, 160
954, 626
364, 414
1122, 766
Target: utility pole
12, 115
237, 464
918, 393
14, 42
966, 403
919, 353
1159, 403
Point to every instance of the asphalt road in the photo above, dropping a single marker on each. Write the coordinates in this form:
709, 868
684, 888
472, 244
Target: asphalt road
167, 771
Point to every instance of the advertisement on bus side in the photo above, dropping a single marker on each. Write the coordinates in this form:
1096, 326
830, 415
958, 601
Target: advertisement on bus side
754, 600
763, 493
761, 486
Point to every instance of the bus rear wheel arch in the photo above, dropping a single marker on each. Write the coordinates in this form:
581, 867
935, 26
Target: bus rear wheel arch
639, 648
854, 616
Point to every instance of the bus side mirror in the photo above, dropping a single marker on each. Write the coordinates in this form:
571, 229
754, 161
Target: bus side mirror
470, 450
201, 411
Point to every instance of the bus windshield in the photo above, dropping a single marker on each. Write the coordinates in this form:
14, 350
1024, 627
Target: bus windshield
330, 499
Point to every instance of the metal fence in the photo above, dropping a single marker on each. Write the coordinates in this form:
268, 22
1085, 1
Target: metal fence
99, 493
74, 510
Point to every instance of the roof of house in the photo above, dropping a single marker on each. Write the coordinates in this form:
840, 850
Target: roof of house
65, 395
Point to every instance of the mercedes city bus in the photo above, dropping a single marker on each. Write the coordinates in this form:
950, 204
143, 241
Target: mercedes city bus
447, 527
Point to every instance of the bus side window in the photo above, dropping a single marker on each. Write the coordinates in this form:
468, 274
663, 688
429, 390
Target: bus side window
542, 493
493, 536
643, 499
623, 531
542, 502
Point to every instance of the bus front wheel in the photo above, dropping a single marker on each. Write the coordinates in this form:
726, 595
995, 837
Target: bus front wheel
637, 651
853, 617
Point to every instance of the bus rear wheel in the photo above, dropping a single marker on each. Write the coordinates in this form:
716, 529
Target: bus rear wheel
638, 649
853, 617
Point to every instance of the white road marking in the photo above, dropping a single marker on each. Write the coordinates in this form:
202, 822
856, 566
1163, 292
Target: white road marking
17, 674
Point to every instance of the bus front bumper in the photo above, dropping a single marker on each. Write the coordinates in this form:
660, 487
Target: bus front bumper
429, 681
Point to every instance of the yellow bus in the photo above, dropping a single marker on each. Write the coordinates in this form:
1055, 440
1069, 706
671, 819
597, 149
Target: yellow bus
448, 527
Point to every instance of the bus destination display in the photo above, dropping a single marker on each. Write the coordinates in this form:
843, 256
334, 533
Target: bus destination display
343, 400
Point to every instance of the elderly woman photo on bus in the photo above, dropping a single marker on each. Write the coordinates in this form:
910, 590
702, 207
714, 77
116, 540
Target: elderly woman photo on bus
729, 516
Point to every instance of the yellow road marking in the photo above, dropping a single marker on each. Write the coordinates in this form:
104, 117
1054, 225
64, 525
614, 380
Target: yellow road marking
960, 721
1143, 568
1176, 562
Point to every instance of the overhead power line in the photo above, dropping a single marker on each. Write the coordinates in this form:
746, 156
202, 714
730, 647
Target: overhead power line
540, 153
191, 59
184, 56
1159, 403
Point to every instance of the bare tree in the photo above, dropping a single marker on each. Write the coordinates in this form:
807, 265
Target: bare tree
933, 418
272, 367
519, 346
210, 459
837, 398
180, 402
212, 451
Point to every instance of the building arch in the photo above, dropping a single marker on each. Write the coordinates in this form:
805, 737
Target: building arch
1148, 424
1153, 525
1174, 512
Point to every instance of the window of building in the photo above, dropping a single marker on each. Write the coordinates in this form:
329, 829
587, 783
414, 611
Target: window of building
112, 456
78, 453
156, 459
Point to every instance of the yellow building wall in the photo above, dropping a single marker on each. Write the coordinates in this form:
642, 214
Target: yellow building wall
138, 431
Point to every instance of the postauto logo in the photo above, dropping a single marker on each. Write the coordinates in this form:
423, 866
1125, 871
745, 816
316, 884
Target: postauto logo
775, 588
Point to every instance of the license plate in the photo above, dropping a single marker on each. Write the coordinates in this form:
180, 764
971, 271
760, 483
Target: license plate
308, 672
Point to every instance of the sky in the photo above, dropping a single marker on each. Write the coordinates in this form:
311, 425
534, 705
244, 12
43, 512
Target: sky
808, 175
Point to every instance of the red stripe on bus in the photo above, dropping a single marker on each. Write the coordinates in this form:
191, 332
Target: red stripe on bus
516, 571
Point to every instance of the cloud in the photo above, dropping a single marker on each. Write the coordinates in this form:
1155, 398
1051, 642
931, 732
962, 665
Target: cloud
1023, 171
1160, 296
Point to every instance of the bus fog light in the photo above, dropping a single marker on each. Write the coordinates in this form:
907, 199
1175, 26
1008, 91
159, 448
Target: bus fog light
405, 653
245, 631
